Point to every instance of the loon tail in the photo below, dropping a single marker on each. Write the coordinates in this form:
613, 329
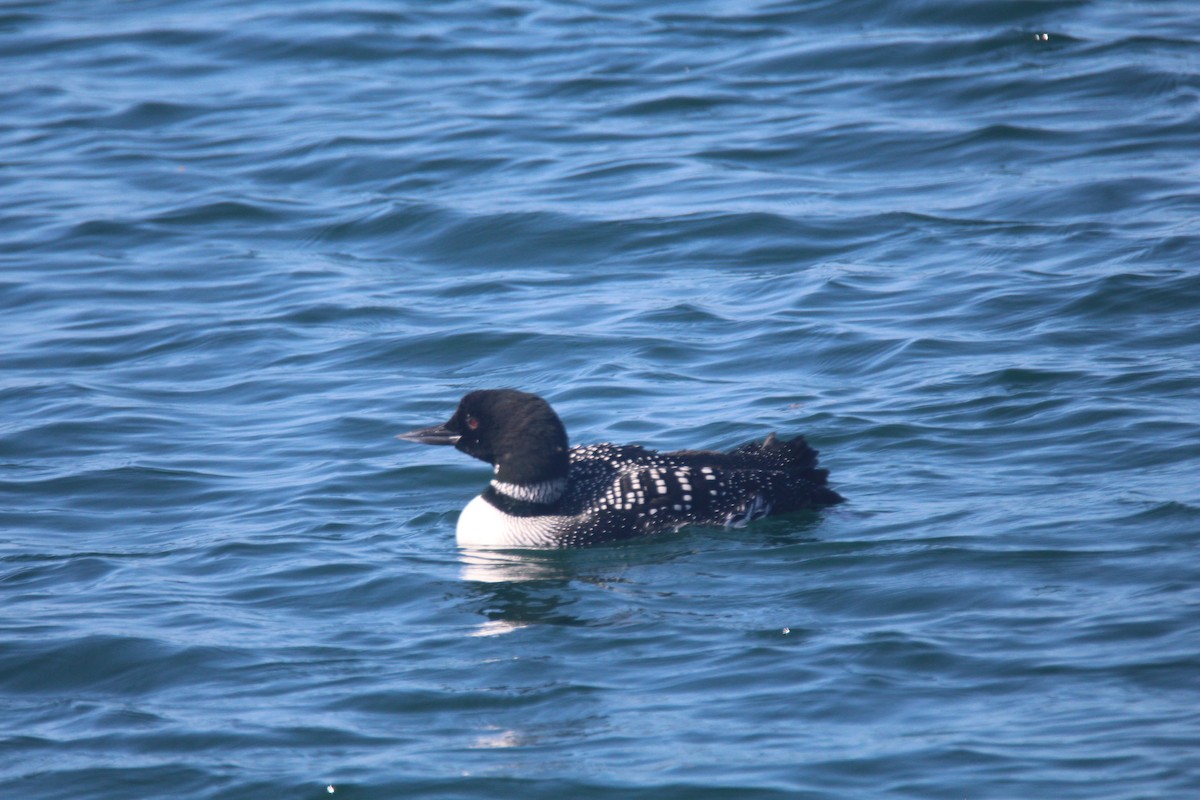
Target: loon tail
789, 455
796, 458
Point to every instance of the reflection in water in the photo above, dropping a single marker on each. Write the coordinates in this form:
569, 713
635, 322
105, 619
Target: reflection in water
505, 566
495, 627
517, 589
499, 738
597, 565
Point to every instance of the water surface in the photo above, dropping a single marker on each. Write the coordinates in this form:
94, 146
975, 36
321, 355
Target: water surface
244, 244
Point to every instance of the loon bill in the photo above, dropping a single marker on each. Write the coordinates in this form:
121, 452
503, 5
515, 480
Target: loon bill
545, 494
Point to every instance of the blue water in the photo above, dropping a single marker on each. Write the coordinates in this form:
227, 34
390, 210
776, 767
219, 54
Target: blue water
244, 244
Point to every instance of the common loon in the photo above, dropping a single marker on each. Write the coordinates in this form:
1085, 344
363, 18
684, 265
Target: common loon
544, 494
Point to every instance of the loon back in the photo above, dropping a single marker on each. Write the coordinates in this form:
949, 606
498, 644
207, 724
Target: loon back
546, 495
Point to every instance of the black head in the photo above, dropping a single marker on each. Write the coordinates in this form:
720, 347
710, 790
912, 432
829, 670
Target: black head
516, 431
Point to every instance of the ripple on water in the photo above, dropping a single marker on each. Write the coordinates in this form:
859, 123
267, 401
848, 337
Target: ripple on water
951, 244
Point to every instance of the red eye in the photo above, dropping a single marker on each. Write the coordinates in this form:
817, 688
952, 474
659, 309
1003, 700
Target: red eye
472, 423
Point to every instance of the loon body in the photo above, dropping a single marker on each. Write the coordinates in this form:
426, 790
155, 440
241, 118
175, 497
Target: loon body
546, 494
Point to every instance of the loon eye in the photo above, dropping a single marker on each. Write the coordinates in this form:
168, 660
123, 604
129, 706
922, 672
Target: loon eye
472, 423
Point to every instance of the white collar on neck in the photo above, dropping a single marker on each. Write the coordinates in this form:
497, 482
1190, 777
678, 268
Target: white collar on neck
544, 492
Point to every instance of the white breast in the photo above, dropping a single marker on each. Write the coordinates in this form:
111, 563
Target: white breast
481, 524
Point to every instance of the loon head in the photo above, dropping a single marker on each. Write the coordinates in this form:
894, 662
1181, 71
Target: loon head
516, 432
